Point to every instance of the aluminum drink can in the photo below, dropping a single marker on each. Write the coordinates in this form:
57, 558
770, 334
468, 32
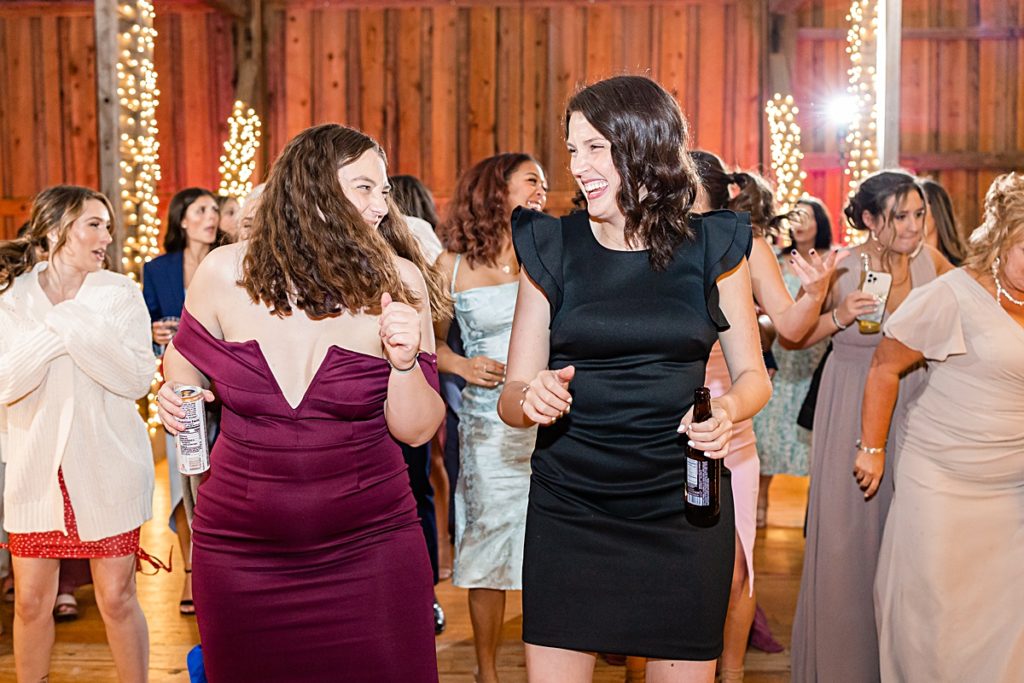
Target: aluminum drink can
193, 451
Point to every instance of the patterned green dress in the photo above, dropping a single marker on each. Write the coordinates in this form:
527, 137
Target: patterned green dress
783, 445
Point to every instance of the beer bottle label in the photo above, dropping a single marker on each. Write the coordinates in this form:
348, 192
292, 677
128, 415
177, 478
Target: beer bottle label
698, 485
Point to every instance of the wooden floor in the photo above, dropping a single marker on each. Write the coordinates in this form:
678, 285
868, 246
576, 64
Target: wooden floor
81, 654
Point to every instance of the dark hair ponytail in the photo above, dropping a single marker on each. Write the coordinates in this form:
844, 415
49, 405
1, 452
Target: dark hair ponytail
17, 256
713, 177
757, 198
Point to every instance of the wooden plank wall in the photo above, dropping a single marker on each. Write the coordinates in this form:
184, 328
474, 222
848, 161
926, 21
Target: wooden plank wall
48, 129
442, 85
962, 96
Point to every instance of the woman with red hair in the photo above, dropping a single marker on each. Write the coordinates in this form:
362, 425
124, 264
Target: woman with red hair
494, 467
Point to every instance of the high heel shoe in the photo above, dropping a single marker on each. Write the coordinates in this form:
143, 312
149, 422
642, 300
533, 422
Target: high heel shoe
761, 636
186, 606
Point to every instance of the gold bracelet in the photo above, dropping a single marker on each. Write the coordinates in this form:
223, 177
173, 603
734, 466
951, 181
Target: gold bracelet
869, 451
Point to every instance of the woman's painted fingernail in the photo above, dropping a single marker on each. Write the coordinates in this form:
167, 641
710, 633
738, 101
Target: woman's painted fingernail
691, 444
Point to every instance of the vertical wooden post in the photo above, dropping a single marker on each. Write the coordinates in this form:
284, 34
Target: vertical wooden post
250, 70
108, 115
890, 17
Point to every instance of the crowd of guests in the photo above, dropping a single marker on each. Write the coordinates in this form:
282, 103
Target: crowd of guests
333, 319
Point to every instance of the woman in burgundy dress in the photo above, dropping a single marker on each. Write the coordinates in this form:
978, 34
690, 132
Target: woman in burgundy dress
309, 563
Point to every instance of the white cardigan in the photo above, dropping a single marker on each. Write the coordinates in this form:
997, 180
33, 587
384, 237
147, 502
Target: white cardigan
69, 378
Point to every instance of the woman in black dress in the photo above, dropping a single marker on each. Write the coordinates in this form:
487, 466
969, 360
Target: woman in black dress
617, 311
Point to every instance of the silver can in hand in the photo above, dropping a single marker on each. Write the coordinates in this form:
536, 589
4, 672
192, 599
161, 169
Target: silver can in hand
191, 443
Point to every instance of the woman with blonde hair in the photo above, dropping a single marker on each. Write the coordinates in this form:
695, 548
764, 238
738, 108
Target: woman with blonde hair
316, 332
74, 358
946, 615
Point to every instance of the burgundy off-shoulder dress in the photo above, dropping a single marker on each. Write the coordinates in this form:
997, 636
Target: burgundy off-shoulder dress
308, 560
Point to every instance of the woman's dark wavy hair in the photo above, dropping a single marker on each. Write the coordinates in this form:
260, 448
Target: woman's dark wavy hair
648, 135
823, 236
414, 199
874, 194
477, 224
757, 197
714, 179
56, 207
311, 249
175, 238
951, 241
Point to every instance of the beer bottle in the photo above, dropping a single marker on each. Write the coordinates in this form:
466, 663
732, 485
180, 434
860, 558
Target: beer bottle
703, 474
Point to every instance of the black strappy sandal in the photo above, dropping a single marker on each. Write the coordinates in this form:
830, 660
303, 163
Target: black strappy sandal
186, 606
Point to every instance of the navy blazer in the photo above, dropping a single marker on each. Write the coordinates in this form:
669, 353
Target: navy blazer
163, 285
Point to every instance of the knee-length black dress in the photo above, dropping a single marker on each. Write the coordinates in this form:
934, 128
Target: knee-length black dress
611, 564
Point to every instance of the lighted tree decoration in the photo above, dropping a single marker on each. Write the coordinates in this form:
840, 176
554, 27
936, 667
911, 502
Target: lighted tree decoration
862, 139
785, 151
238, 162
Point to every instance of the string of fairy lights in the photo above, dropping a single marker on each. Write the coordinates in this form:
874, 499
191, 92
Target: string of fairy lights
863, 157
138, 97
139, 149
786, 154
238, 162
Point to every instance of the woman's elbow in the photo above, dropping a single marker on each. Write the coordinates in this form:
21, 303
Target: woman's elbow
763, 388
418, 432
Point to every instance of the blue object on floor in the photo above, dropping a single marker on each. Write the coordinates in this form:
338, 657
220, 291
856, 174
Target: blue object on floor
196, 671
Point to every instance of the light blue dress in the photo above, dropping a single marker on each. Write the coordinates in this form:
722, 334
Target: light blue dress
494, 459
783, 445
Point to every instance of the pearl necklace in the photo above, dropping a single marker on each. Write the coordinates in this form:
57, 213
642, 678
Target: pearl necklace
1000, 291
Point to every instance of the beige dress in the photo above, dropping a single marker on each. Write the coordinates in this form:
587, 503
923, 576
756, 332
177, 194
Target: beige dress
948, 594
834, 638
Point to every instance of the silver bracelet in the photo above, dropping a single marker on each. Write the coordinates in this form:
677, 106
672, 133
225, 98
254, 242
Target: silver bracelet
869, 451
403, 371
835, 319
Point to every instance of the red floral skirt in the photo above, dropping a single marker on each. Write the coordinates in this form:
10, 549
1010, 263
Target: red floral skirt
55, 545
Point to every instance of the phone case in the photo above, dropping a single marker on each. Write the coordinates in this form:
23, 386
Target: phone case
876, 283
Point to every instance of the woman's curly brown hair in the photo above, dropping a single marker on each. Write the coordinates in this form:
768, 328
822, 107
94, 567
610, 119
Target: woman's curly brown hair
477, 225
311, 249
648, 135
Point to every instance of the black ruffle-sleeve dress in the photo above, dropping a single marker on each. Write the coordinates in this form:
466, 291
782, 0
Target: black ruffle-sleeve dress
611, 564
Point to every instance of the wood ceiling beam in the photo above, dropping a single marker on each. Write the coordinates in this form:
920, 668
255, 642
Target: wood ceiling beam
785, 6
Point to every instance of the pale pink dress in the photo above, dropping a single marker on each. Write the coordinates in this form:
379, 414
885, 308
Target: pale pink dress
742, 461
948, 598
